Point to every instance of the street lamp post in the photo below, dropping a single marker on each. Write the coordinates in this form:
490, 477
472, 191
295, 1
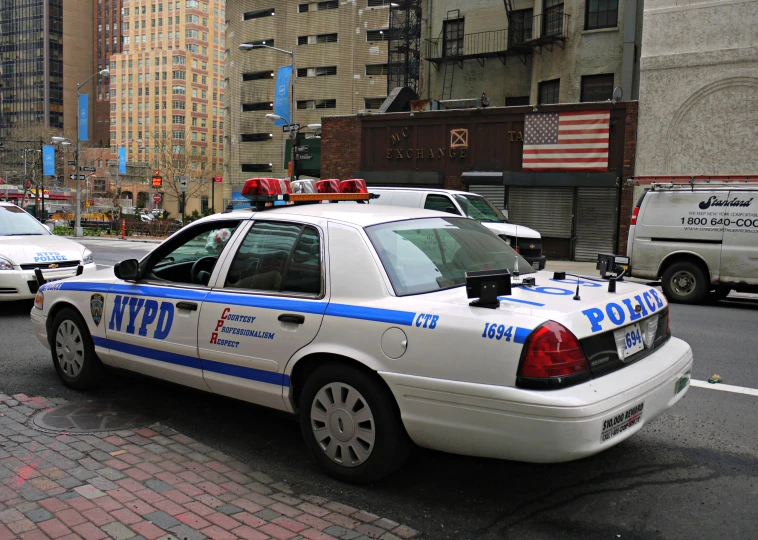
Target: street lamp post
78, 225
293, 132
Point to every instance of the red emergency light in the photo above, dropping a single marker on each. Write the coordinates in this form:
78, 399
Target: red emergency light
353, 185
328, 186
265, 187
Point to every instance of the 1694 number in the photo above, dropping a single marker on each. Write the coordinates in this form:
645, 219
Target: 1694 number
497, 331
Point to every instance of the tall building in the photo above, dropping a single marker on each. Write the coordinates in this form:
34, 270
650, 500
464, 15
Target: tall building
341, 61
527, 52
167, 91
107, 34
42, 47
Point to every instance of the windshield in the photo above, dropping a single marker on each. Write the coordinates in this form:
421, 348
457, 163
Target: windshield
16, 222
427, 255
480, 209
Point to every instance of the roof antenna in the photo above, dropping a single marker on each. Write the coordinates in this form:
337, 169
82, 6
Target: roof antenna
515, 267
576, 296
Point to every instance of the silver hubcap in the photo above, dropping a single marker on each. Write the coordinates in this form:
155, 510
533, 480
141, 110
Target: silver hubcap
343, 425
683, 283
69, 349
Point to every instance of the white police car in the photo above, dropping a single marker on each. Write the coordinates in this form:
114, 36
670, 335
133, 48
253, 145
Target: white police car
25, 245
358, 319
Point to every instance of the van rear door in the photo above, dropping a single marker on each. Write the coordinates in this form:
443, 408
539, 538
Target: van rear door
739, 251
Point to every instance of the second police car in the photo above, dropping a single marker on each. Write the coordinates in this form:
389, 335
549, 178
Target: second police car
357, 319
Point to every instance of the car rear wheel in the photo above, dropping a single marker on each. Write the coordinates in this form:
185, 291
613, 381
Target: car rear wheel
685, 283
351, 424
73, 352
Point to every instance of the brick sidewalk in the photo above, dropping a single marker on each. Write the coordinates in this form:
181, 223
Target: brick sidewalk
152, 483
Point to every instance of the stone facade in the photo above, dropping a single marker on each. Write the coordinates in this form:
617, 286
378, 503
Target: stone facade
342, 136
698, 88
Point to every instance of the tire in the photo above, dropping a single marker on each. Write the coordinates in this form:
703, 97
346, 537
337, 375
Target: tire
349, 454
719, 294
73, 351
685, 283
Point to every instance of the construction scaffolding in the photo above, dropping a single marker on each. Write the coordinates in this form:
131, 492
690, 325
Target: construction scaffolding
404, 46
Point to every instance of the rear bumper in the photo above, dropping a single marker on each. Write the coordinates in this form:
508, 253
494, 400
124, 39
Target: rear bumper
15, 284
541, 260
541, 426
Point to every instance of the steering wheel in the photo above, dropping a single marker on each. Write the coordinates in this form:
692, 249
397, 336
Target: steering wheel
199, 266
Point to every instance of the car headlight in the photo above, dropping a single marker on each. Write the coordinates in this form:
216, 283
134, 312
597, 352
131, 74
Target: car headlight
87, 257
5, 264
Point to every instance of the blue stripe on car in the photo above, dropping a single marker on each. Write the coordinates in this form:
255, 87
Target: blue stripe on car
371, 314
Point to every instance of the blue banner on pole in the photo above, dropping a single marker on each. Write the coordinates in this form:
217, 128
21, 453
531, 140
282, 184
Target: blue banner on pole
282, 96
48, 160
122, 161
84, 117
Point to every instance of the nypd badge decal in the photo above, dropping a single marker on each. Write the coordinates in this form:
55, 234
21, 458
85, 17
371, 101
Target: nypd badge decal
96, 307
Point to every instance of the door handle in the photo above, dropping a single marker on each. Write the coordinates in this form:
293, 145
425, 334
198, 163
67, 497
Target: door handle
291, 318
191, 306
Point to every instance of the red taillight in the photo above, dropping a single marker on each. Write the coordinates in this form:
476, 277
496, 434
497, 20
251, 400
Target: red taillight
265, 186
634, 215
328, 186
551, 351
354, 185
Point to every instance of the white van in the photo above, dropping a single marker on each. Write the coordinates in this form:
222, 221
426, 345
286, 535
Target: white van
700, 240
526, 241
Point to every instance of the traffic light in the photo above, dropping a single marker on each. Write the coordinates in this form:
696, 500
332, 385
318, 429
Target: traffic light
157, 179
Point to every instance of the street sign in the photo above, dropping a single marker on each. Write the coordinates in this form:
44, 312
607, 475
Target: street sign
291, 127
183, 184
81, 177
218, 179
87, 169
157, 198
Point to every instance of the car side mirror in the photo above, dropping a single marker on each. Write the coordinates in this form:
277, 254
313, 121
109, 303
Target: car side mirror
127, 270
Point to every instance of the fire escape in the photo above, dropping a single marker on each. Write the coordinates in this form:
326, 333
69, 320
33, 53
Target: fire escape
526, 34
404, 46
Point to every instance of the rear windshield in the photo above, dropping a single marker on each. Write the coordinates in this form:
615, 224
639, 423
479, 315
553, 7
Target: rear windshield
433, 254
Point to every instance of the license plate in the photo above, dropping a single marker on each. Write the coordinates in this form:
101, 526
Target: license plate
621, 422
681, 384
536, 266
632, 339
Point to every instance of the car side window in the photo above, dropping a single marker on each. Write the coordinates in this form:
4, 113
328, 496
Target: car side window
278, 257
191, 257
441, 203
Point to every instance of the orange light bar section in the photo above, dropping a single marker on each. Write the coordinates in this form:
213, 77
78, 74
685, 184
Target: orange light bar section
310, 197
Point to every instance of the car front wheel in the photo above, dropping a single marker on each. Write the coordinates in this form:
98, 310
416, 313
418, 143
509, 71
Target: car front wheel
351, 424
73, 352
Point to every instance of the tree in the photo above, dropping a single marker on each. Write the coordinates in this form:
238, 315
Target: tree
178, 157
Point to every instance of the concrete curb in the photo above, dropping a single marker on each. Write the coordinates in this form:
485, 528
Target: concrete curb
101, 239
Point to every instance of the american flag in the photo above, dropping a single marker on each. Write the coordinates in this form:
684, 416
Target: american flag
566, 141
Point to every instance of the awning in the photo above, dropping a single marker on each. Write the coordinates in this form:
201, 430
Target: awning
483, 178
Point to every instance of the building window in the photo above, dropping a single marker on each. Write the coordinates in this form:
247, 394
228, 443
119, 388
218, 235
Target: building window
601, 14
597, 87
377, 69
317, 104
552, 20
257, 75
453, 37
203, 205
317, 71
521, 26
258, 14
259, 106
373, 103
255, 137
550, 91
377, 35
256, 167
516, 101
378, 3
330, 4
303, 8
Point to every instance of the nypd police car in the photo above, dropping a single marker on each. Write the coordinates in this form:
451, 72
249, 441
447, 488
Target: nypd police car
360, 320
26, 245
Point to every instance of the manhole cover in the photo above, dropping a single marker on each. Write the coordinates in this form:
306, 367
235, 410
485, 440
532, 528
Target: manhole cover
95, 415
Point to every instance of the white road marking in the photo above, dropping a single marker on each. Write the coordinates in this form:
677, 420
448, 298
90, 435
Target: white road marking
724, 387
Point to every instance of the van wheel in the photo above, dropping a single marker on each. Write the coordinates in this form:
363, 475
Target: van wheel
685, 283
73, 351
351, 424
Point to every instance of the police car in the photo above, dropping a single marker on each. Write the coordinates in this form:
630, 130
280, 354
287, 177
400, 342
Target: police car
25, 246
379, 327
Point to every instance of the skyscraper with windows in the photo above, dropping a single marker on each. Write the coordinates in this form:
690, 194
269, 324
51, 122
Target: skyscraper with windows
166, 94
107, 34
41, 52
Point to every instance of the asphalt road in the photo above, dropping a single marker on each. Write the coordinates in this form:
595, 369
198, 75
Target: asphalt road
693, 473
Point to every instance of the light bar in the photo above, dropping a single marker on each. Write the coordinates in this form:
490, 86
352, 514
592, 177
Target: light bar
316, 197
268, 192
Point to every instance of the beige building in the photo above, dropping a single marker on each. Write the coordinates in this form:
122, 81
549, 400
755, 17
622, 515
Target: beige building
167, 94
552, 51
698, 88
341, 62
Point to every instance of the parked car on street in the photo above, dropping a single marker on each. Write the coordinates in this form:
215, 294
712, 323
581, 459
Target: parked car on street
700, 240
526, 241
27, 244
359, 319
